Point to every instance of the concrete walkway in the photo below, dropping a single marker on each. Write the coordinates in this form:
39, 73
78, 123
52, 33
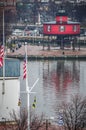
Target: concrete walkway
37, 51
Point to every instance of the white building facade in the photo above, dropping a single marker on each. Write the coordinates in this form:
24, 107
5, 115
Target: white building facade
9, 90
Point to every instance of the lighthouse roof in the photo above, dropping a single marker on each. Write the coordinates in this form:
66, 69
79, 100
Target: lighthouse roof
68, 22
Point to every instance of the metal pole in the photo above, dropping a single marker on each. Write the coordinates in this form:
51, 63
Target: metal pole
27, 89
46, 124
3, 84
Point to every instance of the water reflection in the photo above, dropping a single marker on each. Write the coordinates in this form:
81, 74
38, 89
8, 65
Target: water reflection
62, 75
58, 81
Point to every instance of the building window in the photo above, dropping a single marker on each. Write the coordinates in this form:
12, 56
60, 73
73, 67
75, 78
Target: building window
74, 28
62, 28
48, 28
60, 19
9, 2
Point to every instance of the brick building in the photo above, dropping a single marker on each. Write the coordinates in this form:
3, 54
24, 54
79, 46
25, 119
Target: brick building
7, 4
9, 7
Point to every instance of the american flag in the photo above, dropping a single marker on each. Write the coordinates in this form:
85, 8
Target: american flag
1, 61
1, 55
24, 69
2, 51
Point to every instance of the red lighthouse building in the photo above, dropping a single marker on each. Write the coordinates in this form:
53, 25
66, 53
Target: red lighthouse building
61, 28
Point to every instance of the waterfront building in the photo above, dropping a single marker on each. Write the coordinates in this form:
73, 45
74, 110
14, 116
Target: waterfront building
61, 27
8, 11
9, 89
8, 4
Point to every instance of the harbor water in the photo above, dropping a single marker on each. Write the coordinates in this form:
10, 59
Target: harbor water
58, 81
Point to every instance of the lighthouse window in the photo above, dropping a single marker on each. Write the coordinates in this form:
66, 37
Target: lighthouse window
60, 19
48, 28
74, 28
62, 28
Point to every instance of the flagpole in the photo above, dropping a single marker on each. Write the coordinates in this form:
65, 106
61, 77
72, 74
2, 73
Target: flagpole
3, 84
27, 88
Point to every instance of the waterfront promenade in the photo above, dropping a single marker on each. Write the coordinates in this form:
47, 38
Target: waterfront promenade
38, 52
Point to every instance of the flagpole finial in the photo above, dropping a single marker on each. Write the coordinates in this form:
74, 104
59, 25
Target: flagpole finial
25, 43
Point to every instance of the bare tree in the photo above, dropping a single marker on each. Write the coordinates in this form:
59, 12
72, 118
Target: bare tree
36, 121
74, 113
21, 120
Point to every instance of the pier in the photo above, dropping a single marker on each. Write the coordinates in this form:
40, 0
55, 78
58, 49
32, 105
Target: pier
55, 53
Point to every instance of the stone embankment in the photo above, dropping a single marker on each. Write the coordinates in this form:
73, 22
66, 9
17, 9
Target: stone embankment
38, 52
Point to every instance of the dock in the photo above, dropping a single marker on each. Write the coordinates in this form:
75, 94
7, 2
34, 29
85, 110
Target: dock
38, 53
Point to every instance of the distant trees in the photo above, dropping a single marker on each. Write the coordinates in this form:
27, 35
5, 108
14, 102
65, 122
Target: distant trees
80, 11
36, 122
21, 10
29, 10
74, 113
